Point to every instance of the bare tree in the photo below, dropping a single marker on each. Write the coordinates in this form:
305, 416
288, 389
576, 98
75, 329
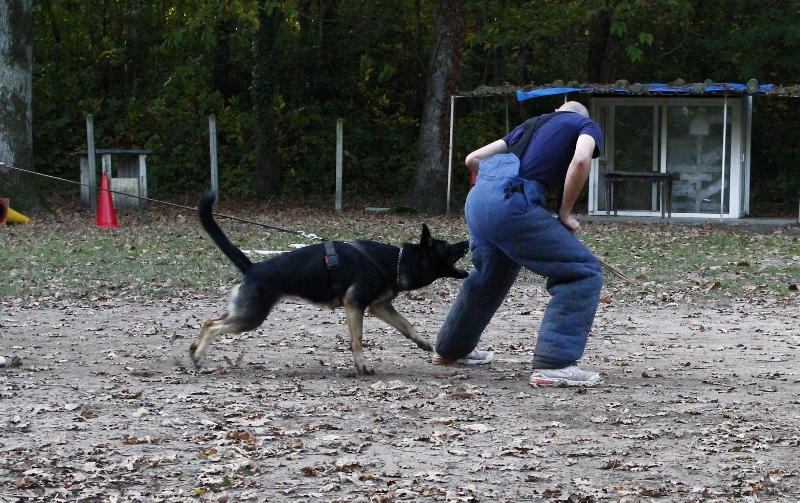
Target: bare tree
427, 192
16, 77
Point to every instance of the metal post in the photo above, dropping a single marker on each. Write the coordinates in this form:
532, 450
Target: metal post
91, 172
507, 122
724, 139
212, 140
339, 163
450, 153
105, 163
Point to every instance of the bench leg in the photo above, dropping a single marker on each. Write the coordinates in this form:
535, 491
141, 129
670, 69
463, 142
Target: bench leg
669, 198
142, 181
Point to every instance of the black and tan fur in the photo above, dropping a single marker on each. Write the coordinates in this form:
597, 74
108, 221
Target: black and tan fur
370, 276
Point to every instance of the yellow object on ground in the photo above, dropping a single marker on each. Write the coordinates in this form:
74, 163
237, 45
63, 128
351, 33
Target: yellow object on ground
17, 218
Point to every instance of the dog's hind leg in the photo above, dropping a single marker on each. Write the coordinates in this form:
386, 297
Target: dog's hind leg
211, 328
226, 324
246, 311
384, 310
355, 323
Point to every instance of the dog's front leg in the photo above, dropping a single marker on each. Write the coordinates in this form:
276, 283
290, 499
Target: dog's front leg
355, 322
385, 311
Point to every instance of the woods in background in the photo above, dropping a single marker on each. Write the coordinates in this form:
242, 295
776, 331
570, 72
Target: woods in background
278, 74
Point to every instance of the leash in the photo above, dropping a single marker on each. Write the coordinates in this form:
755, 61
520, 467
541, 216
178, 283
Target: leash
331, 257
608, 267
229, 217
333, 265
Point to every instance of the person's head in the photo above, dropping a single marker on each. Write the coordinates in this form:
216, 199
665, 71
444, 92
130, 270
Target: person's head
574, 106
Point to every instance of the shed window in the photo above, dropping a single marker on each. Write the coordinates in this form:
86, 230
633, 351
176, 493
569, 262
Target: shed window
678, 135
694, 151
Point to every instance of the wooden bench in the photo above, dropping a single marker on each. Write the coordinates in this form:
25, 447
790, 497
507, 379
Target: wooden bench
663, 179
131, 177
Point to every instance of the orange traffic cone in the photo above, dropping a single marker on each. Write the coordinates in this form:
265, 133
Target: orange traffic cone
106, 217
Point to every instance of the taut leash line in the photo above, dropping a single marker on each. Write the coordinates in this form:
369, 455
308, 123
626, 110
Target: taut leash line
289, 231
608, 267
302, 234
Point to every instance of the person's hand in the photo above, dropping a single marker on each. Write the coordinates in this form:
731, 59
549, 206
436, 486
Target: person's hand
569, 222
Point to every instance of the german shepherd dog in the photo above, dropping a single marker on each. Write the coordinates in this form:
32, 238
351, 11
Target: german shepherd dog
370, 275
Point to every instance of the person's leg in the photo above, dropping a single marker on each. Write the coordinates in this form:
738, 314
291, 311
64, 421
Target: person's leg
480, 295
568, 318
539, 242
485, 288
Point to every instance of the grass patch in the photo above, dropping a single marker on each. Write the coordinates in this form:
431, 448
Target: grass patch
162, 253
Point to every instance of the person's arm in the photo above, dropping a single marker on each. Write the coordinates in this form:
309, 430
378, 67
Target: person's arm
577, 173
474, 159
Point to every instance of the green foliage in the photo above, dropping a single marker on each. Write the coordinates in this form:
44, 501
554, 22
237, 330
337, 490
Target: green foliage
152, 73
775, 185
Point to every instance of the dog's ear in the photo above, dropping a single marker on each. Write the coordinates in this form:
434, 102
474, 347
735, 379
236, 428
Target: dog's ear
426, 241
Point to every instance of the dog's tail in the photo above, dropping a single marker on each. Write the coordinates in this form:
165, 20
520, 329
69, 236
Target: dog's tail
220, 239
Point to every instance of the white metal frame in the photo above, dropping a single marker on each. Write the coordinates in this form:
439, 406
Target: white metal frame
747, 120
740, 123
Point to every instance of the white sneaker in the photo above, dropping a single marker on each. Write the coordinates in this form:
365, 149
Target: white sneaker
474, 358
569, 376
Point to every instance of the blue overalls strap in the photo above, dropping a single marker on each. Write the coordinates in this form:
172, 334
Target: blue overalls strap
529, 127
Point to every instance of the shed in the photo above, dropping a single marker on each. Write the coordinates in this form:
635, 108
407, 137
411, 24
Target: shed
695, 134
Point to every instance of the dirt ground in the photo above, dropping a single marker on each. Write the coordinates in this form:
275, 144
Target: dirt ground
99, 402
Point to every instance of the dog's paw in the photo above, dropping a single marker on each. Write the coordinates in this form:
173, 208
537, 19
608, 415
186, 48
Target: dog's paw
424, 345
365, 369
196, 359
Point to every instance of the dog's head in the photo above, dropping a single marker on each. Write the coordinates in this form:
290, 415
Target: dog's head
440, 257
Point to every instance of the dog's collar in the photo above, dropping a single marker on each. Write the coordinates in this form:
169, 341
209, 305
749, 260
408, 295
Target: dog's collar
399, 257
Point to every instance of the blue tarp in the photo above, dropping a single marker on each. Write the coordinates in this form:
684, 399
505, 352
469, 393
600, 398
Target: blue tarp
538, 93
646, 89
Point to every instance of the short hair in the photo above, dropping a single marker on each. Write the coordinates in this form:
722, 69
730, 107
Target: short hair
574, 106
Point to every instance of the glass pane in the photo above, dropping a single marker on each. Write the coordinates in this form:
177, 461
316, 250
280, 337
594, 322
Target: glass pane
633, 152
694, 150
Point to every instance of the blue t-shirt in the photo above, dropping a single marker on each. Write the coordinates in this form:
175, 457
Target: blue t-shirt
552, 147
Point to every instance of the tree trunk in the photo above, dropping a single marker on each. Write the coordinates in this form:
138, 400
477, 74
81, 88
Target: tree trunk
427, 192
266, 176
599, 33
16, 134
222, 66
419, 91
605, 48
